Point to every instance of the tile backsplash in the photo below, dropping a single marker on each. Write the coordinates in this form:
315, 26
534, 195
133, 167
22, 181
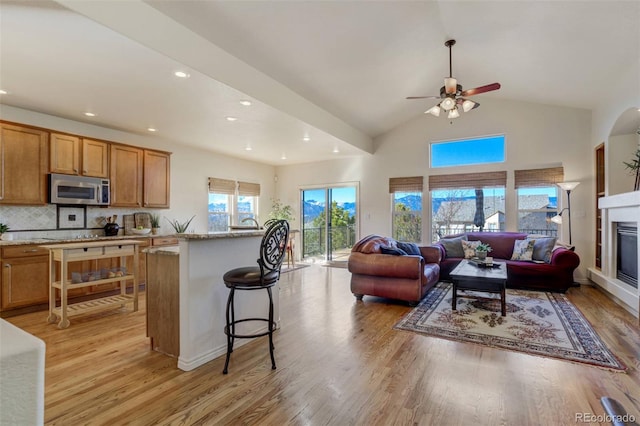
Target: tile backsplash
27, 222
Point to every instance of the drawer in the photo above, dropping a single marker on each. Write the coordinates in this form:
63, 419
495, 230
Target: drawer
168, 241
23, 251
128, 250
83, 252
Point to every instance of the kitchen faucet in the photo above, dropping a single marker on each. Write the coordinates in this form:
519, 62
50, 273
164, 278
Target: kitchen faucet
252, 219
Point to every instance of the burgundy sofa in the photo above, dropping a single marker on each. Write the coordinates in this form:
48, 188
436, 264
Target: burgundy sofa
557, 275
406, 278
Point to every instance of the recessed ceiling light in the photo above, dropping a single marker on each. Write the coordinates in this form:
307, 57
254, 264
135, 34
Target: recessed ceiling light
284, 157
152, 129
89, 114
336, 150
231, 118
245, 103
306, 139
3, 92
248, 148
181, 74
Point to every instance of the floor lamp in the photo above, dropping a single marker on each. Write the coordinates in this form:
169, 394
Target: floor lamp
568, 187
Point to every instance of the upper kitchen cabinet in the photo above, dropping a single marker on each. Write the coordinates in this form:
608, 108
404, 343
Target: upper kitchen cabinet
24, 163
72, 155
65, 154
95, 158
126, 176
157, 166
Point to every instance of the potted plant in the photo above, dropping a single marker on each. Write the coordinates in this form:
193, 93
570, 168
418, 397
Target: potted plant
634, 167
155, 223
281, 211
482, 249
3, 228
179, 227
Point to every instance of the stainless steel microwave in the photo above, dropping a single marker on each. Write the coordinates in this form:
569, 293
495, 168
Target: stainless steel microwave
70, 189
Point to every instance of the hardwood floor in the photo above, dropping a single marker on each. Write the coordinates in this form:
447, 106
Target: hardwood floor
339, 362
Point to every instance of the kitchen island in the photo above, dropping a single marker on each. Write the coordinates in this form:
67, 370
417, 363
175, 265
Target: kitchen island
202, 261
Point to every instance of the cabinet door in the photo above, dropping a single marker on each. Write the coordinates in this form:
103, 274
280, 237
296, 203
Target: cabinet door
126, 176
95, 158
25, 281
156, 179
24, 163
65, 154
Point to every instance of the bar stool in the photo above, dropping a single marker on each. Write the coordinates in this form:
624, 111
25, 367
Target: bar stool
263, 276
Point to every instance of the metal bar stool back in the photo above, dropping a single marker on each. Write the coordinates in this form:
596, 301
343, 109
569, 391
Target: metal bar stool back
263, 276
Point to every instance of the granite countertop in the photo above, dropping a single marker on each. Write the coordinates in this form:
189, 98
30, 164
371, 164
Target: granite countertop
216, 235
49, 241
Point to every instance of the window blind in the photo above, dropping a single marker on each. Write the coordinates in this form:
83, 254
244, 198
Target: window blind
248, 189
468, 180
405, 184
538, 177
222, 186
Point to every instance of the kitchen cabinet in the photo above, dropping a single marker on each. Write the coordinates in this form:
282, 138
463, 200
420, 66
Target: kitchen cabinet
72, 155
139, 177
64, 254
65, 154
126, 176
24, 164
95, 158
156, 178
24, 276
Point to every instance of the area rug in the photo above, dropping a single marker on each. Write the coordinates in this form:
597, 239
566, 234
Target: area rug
537, 323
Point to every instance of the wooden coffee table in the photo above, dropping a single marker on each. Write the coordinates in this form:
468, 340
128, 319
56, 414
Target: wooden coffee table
467, 276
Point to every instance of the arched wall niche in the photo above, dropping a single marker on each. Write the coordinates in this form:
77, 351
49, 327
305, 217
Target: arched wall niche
624, 140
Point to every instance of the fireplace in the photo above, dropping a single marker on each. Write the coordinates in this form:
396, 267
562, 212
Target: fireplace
627, 253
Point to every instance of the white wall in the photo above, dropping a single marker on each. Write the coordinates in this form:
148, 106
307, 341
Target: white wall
621, 149
190, 167
536, 136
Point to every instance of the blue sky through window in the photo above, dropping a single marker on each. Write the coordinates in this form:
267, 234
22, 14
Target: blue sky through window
465, 152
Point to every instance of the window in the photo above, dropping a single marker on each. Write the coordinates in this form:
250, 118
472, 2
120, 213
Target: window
538, 199
230, 202
483, 150
467, 202
406, 198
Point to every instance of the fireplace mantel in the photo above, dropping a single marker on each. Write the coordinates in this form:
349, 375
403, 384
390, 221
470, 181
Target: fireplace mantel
615, 209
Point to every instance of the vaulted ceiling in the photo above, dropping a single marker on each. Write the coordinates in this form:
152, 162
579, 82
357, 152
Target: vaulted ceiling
335, 72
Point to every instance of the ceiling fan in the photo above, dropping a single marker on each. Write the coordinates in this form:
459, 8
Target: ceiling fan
452, 95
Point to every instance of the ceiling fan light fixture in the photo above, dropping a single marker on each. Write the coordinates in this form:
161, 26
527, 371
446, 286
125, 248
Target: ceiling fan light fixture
468, 105
435, 111
454, 113
448, 104
450, 85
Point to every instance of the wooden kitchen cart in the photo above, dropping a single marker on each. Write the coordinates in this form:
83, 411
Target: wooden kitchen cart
63, 254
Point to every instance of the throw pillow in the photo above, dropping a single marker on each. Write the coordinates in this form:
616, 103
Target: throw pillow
410, 248
543, 248
393, 251
469, 248
453, 246
523, 250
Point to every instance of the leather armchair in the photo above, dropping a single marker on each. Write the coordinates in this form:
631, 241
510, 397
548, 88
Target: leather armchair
406, 278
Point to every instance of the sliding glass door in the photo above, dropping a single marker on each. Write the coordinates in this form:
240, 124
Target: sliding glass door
329, 222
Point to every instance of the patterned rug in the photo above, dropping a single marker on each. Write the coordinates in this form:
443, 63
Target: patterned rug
537, 323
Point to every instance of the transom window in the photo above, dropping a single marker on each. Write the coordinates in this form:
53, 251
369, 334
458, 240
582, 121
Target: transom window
464, 152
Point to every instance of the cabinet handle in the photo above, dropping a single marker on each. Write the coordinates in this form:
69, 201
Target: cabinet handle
84, 171
8, 276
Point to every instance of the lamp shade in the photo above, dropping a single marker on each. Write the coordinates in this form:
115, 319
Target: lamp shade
468, 105
454, 113
568, 186
450, 85
557, 219
433, 111
448, 104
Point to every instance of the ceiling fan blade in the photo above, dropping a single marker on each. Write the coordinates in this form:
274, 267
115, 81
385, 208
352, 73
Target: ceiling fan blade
481, 89
423, 97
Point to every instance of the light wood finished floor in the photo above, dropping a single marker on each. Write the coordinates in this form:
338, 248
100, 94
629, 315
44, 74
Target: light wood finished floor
340, 362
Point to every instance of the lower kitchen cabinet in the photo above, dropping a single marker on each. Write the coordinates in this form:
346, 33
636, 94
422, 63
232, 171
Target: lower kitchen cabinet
25, 281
